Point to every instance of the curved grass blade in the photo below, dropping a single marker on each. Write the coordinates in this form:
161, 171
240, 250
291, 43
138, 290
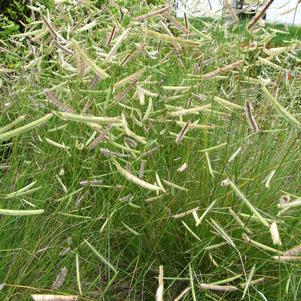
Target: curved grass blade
20, 212
136, 180
25, 128
280, 109
101, 73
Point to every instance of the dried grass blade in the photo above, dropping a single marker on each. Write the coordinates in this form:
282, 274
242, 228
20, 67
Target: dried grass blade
239, 221
37, 297
293, 251
227, 280
275, 234
183, 214
136, 180
269, 178
129, 57
167, 38
280, 109
234, 155
101, 73
247, 285
111, 36
191, 232
186, 22
259, 14
222, 233
253, 282
80, 64
86, 27
58, 45
131, 78
227, 104
130, 229
195, 216
250, 117
26, 188
25, 128
130, 133
21, 193
104, 260
268, 63
149, 109
51, 29
216, 287
173, 185
21, 212
260, 245
222, 70
182, 133
160, 289
183, 167
196, 125
194, 110
85, 118
214, 147
177, 47
152, 13
182, 294
205, 213
55, 101
120, 96
56, 144
158, 180
12, 124
248, 203
101, 137
116, 45
78, 281
209, 164
191, 280
287, 258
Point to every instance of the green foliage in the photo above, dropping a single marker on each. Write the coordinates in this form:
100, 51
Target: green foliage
16, 10
155, 2
84, 196
7, 27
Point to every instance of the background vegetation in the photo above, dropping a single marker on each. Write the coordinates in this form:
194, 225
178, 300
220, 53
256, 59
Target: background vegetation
111, 201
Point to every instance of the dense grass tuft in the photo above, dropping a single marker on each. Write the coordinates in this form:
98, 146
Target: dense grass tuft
143, 157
